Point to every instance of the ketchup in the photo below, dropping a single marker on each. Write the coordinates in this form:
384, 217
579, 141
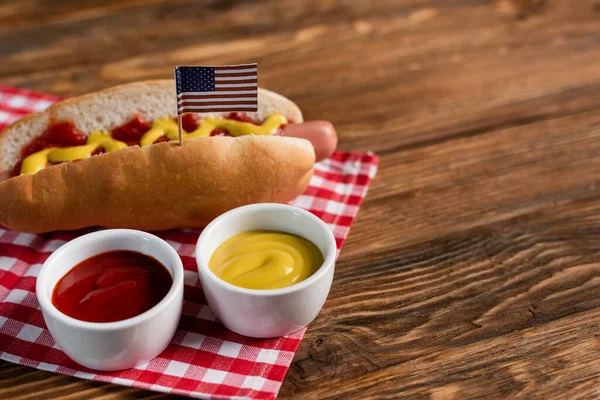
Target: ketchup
60, 134
131, 132
191, 122
65, 134
219, 132
17, 169
238, 116
112, 286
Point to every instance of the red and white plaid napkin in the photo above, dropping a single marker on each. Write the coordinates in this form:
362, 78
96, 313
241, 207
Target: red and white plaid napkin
204, 360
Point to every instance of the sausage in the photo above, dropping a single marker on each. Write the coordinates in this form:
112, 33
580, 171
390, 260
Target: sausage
320, 133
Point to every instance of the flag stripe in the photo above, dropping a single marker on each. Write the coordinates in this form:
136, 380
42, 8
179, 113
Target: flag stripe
236, 68
216, 101
238, 93
208, 106
249, 78
199, 103
232, 74
234, 85
227, 81
249, 71
234, 90
217, 96
216, 109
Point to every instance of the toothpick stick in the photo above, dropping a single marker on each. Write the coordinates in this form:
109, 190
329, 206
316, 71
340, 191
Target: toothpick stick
180, 134
177, 101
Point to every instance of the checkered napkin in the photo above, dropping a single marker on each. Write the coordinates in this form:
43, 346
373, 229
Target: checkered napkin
204, 360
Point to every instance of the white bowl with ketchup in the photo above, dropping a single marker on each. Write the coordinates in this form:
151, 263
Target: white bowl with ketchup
266, 269
112, 299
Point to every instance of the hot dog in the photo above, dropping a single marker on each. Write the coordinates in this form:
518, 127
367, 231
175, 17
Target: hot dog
108, 159
321, 134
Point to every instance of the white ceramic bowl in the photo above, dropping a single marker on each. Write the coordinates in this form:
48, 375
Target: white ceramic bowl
266, 313
112, 346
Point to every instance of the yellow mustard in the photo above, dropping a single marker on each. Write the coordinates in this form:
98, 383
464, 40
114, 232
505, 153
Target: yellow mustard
265, 260
168, 127
37, 161
160, 127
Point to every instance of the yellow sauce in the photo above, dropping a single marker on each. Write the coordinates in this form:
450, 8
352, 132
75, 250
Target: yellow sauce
167, 127
265, 260
37, 161
160, 127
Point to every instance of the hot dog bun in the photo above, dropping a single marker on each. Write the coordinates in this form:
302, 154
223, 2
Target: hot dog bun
116, 106
157, 187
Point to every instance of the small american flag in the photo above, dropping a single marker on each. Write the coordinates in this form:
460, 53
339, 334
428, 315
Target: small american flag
215, 89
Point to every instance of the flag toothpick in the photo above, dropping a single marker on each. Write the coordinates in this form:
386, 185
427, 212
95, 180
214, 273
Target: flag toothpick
179, 127
177, 84
216, 89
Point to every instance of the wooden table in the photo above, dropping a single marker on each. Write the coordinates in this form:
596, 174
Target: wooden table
473, 269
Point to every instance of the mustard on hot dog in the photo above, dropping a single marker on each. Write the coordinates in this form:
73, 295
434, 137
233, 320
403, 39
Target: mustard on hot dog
160, 127
167, 127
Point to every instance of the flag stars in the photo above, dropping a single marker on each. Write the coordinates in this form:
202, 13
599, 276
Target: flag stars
196, 79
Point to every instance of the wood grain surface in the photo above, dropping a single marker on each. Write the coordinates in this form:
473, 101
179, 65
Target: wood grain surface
473, 269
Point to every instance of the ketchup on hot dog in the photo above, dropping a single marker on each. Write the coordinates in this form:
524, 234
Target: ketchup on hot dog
132, 131
46, 149
61, 134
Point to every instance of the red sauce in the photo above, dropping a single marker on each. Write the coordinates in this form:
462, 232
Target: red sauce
60, 134
112, 286
219, 132
161, 139
64, 134
131, 132
242, 117
190, 122
238, 116
17, 169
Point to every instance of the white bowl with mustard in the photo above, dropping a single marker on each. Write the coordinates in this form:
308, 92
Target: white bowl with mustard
266, 269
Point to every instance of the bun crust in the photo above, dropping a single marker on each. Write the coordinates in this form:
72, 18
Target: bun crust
158, 187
